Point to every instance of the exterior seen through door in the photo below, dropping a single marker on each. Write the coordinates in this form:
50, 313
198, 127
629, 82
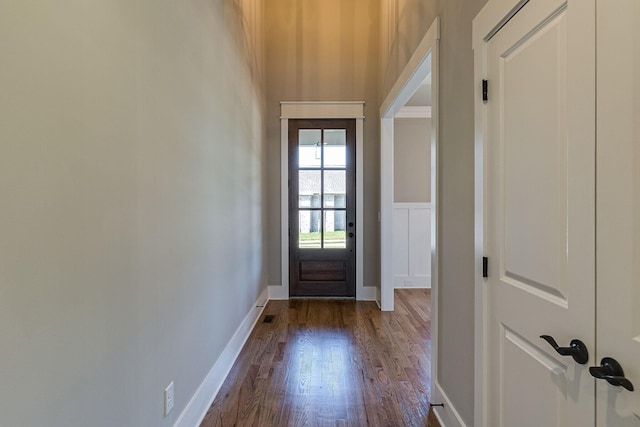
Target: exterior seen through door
322, 229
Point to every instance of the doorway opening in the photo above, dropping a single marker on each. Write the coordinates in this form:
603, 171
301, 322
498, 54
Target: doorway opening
409, 236
310, 110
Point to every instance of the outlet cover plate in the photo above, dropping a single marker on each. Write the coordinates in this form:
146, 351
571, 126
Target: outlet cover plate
168, 399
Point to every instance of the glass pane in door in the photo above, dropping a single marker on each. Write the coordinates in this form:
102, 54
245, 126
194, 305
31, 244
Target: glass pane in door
335, 188
335, 148
309, 186
309, 148
334, 233
309, 234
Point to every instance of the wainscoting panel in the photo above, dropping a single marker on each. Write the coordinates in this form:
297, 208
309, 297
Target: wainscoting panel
411, 245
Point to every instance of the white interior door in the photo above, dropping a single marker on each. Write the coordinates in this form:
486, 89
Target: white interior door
618, 250
540, 215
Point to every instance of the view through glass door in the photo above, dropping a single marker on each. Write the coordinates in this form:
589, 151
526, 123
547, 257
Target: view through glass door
322, 208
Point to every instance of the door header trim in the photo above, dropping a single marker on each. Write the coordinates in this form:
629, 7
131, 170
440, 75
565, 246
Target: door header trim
493, 16
322, 110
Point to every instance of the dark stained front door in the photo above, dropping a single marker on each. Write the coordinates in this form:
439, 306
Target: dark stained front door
322, 229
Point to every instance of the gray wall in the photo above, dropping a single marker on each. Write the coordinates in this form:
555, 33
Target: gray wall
412, 160
324, 50
401, 36
131, 171
457, 93
131, 166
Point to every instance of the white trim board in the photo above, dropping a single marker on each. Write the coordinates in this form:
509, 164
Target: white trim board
412, 205
423, 282
409, 112
414, 74
448, 416
320, 110
368, 293
491, 18
424, 61
197, 408
278, 292
480, 324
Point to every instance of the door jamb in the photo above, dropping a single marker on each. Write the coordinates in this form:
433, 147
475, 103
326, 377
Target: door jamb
320, 110
423, 62
493, 16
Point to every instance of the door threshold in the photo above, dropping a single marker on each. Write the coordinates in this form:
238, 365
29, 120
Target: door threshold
323, 298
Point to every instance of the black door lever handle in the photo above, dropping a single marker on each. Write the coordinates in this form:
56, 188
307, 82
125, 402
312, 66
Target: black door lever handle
611, 371
577, 350
618, 381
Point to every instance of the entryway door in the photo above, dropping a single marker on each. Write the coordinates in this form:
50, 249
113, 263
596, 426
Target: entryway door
322, 229
562, 215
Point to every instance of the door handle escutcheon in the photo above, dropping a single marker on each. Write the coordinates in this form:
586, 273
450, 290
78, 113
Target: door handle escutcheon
577, 350
611, 371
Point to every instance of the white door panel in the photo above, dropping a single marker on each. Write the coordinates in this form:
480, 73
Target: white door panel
618, 223
540, 214
535, 166
543, 380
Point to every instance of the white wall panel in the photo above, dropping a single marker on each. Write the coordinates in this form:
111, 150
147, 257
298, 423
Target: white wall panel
411, 245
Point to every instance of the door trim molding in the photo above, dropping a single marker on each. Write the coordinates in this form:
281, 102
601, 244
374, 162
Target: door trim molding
320, 110
423, 62
451, 417
486, 24
408, 112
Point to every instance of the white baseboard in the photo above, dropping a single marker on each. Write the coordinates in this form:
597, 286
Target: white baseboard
199, 404
417, 282
278, 293
367, 293
447, 416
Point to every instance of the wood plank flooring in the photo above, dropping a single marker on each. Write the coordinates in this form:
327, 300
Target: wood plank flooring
332, 363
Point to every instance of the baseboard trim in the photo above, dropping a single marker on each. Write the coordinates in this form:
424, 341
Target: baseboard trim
418, 282
448, 415
197, 408
278, 293
367, 293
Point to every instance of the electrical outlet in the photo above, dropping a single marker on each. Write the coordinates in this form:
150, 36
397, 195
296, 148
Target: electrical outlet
168, 399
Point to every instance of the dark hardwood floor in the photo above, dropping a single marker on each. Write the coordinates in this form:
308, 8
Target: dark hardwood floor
332, 363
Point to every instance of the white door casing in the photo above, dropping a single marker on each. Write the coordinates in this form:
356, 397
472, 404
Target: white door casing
423, 62
539, 211
320, 110
618, 207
